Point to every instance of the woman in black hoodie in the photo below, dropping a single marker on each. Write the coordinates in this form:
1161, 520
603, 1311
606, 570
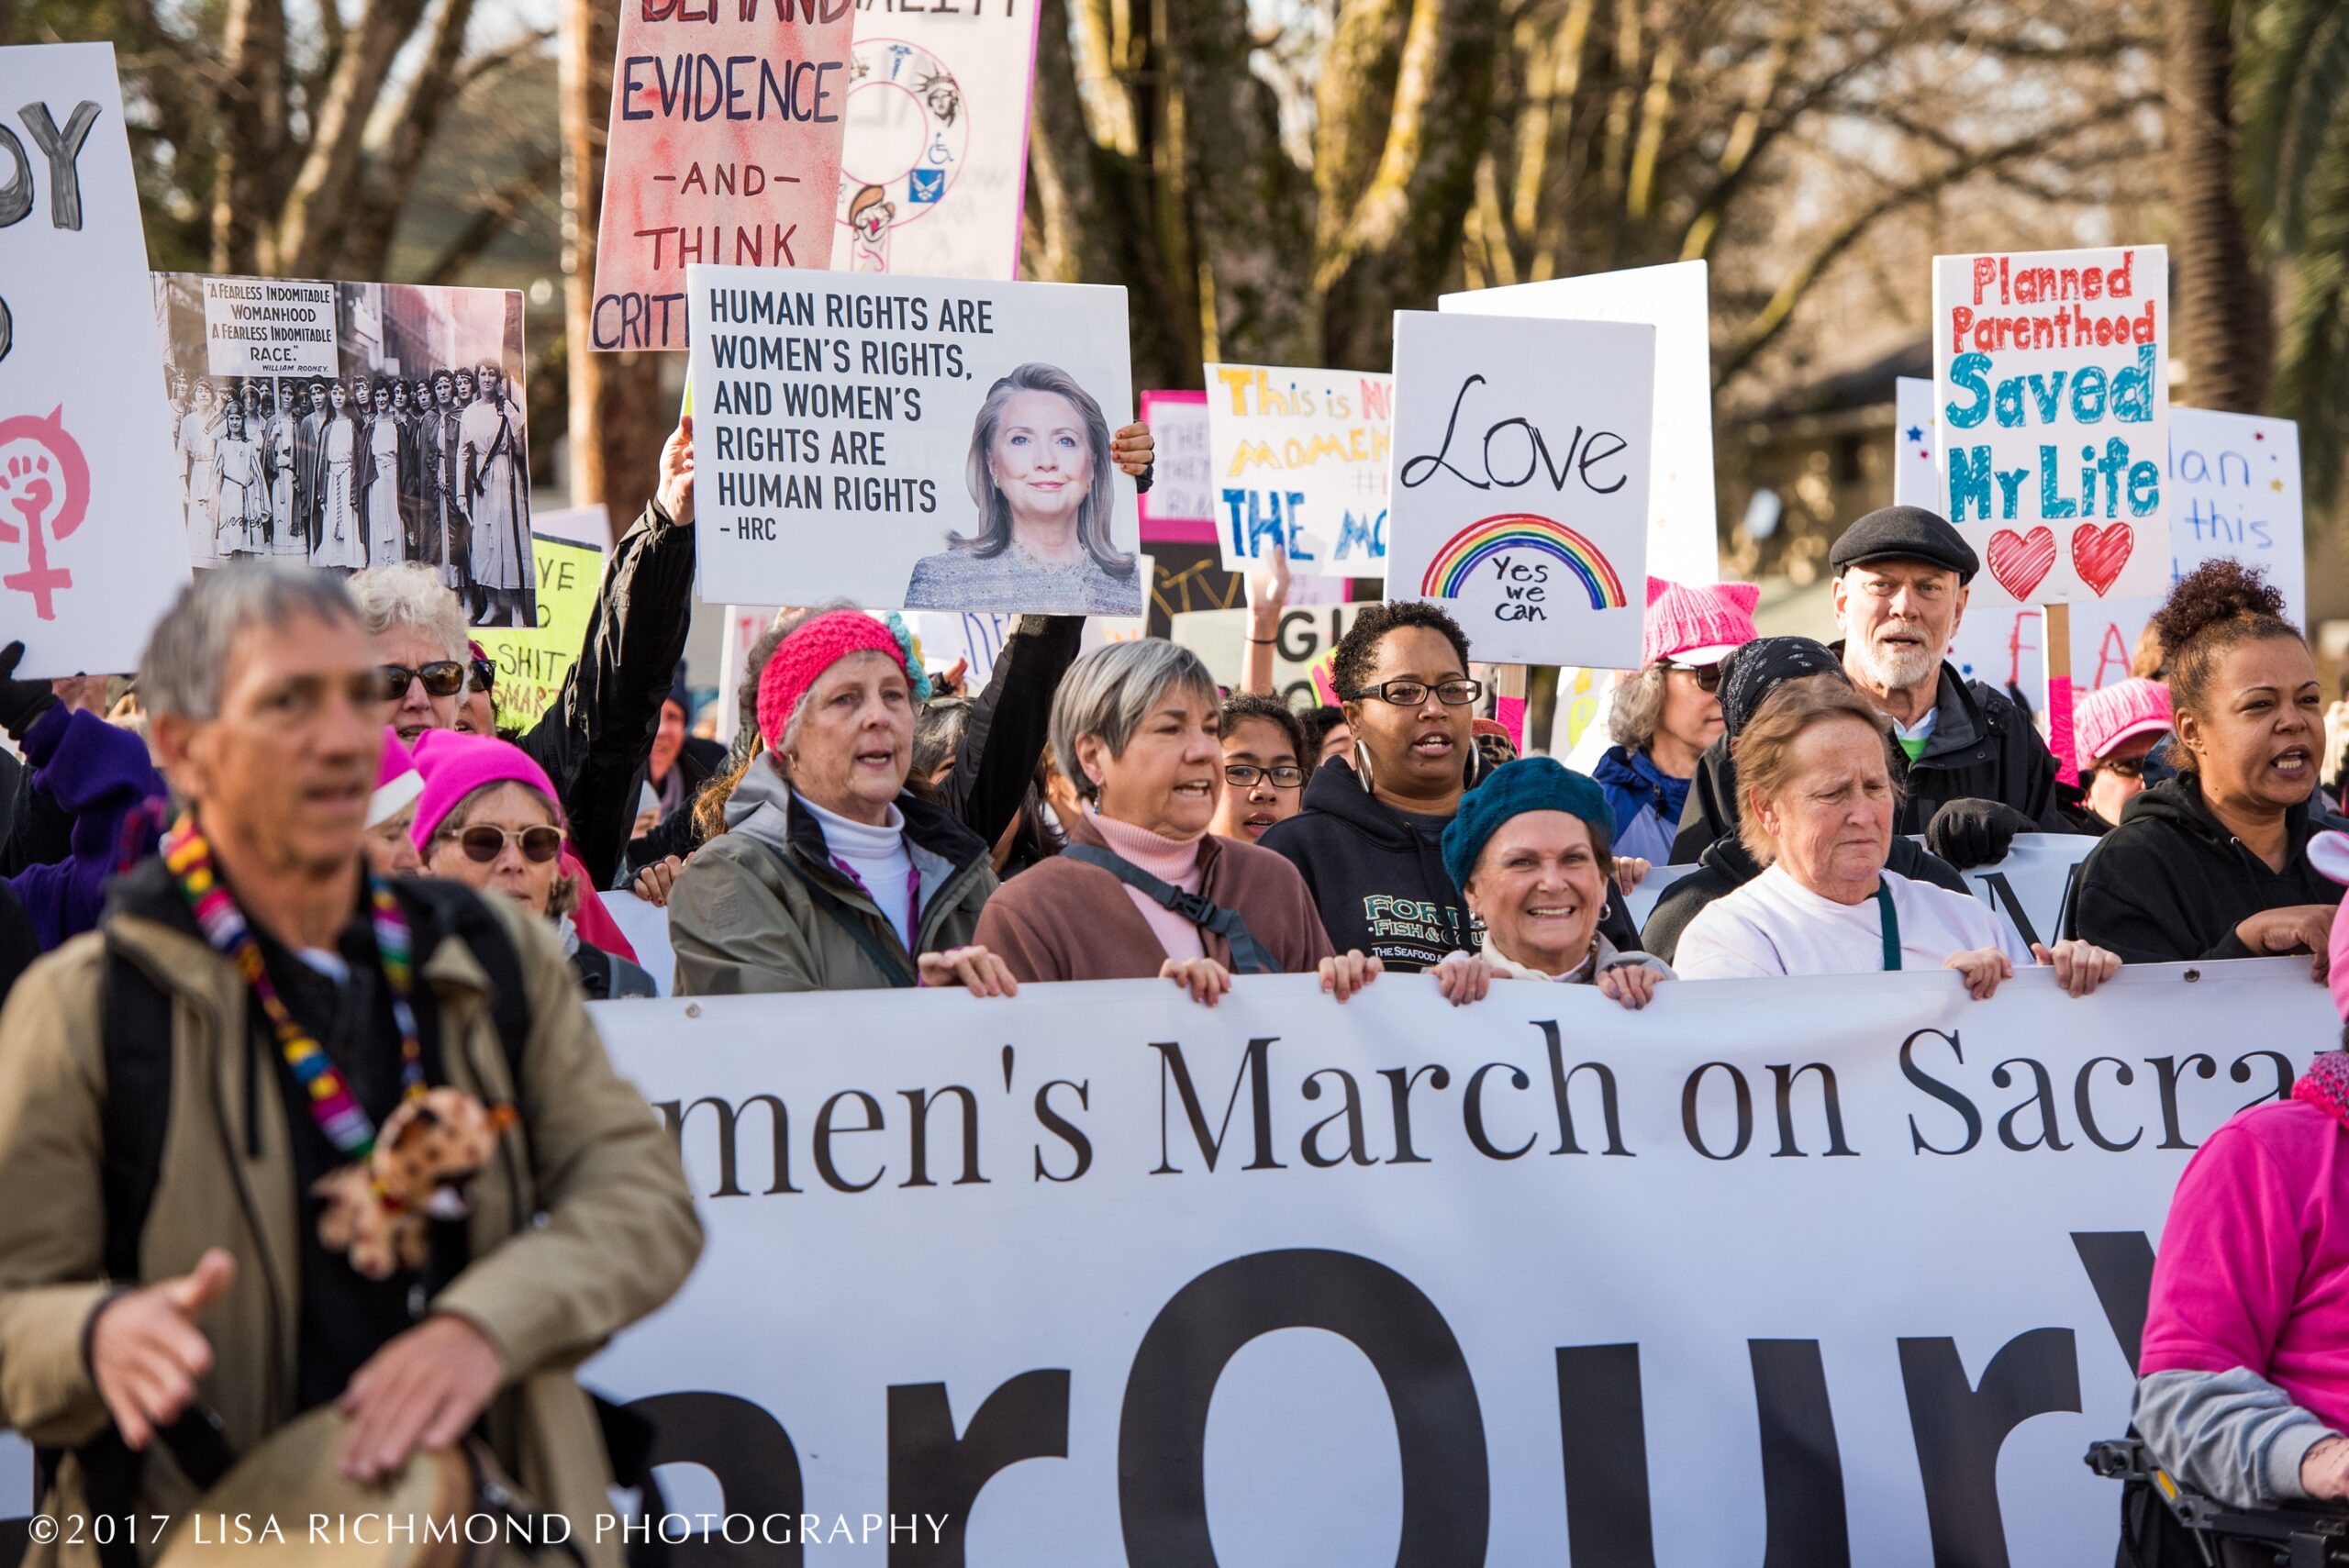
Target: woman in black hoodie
1369, 838
2213, 863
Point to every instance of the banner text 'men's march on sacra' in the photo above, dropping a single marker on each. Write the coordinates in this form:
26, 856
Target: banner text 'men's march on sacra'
726, 128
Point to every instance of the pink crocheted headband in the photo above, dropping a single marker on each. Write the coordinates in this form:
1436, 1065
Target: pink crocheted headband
802, 658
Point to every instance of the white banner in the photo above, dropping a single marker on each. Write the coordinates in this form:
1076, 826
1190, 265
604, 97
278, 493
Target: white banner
268, 326
1848, 1270
929, 444
935, 159
1521, 482
90, 550
2051, 372
1298, 460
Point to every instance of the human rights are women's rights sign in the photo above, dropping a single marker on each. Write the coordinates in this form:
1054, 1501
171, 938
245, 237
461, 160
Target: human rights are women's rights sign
927, 443
1519, 496
2051, 390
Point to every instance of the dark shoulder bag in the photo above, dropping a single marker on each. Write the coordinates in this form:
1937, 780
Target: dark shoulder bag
1248, 955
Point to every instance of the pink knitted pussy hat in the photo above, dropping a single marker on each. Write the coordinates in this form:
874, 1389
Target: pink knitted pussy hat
2110, 715
1698, 625
455, 765
801, 659
2329, 852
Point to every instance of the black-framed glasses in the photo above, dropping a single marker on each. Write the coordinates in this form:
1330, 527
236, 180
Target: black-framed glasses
485, 841
441, 678
1708, 676
1411, 693
1245, 775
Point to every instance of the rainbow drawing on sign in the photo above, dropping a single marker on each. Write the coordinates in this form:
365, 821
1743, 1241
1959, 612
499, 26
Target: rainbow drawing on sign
1479, 541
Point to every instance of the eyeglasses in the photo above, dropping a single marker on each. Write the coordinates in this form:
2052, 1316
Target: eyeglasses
1708, 676
1411, 693
2121, 767
486, 841
1245, 775
441, 678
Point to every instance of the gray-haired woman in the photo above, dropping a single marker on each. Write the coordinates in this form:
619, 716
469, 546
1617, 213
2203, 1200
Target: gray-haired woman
1039, 473
1143, 889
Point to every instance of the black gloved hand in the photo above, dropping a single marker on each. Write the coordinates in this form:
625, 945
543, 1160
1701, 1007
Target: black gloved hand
21, 702
1969, 833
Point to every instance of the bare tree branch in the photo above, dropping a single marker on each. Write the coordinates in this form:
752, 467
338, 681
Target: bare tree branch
497, 214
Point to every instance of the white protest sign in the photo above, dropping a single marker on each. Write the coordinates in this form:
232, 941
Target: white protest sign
1683, 542
268, 326
918, 442
1298, 460
91, 551
744, 625
2235, 487
934, 163
975, 638
1304, 641
2050, 376
590, 526
1910, 1230
646, 926
1179, 504
1519, 496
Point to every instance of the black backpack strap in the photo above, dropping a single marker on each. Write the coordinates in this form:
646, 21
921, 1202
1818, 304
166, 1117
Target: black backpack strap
1248, 956
460, 912
136, 1036
825, 899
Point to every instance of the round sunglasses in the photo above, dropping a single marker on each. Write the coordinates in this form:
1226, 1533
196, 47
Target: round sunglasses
486, 841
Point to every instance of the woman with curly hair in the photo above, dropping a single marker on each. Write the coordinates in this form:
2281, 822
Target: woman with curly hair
2214, 862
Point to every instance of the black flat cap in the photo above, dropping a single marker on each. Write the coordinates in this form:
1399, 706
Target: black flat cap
1905, 533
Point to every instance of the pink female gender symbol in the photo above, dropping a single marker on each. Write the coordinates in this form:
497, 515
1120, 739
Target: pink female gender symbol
28, 483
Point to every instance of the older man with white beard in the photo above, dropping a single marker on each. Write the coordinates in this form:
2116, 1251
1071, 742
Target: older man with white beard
1975, 771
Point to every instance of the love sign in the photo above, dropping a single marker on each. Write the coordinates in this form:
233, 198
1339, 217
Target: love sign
1520, 495
2052, 394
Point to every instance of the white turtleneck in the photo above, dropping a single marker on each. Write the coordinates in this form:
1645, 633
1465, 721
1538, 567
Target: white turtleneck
876, 855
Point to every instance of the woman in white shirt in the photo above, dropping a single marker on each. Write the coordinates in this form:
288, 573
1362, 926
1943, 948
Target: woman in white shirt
1814, 768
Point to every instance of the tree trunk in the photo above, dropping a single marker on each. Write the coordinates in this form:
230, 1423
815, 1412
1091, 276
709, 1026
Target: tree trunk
2222, 328
252, 135
616, 420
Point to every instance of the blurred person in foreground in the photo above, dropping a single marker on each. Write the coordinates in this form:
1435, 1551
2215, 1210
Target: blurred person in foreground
259, 986
1816, 767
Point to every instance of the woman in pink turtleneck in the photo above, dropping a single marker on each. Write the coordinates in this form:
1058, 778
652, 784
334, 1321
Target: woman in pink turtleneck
1143, 888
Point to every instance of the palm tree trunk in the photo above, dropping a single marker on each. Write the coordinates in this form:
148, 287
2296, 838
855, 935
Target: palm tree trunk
2222, 329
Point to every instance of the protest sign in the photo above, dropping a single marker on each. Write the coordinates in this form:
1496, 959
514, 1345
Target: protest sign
2235, 484
1683, 541
1303, 643
1520, 495
744, 625
724, 145
532, 662
1912, 1231
2051, 377
974, 637
1298, 460
89, 559
409, 444
268, 327
1178, 507
934, 162
590, 526
918, 442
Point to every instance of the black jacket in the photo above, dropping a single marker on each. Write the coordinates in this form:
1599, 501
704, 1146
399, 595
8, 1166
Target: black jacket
2170, 884
1983, 748
1000, 747
1725, 866
1378, 879
594, 737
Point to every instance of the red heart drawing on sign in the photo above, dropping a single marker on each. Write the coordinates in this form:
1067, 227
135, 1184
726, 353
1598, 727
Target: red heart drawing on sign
2099, 553
2020, 560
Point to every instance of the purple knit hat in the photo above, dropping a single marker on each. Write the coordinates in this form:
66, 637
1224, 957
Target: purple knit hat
1697, 626
455, 765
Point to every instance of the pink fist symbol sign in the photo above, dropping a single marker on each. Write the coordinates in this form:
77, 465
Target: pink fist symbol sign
44, 490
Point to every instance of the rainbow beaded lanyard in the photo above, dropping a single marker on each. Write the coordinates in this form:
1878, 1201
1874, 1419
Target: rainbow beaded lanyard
337, 1112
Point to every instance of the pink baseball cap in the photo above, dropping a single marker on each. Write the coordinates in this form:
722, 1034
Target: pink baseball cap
1697, 626
396, 781
2110, 715
2329, 852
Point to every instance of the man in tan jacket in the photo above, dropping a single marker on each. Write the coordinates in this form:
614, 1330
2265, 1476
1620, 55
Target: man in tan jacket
164, 1113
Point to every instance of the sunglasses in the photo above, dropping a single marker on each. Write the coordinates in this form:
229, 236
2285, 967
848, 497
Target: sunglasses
2121, 767
486, 841
1708, 676
441, 678
485, 675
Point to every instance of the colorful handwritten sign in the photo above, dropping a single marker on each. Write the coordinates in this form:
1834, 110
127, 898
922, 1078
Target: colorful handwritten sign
725, 147
1299, 460
934, 166
1179, 506
532, 662
2051, 377
90, 550
1683, 540
928, 443
1521, 482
